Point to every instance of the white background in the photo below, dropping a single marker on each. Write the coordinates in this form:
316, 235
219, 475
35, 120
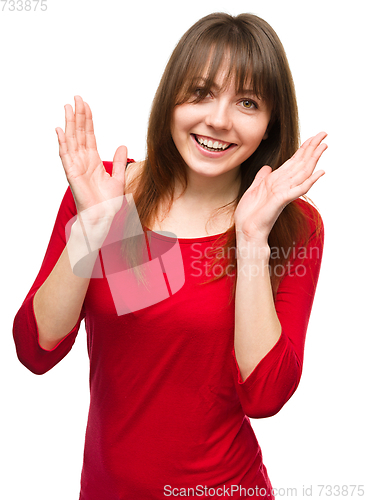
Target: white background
112, 53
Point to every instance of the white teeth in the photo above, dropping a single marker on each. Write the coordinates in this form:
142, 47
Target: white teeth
212, 145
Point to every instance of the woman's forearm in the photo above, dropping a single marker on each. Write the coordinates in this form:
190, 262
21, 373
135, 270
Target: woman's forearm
58, 302
257, 327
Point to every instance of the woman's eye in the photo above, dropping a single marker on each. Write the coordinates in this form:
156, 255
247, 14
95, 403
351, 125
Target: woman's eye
200, 93
247, 104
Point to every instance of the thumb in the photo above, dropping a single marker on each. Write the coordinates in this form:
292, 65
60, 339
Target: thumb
119, 163
261, 174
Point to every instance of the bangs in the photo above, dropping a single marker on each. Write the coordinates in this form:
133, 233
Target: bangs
238, 54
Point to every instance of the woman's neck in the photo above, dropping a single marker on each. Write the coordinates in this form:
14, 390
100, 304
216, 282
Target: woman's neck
194, 212
209, 193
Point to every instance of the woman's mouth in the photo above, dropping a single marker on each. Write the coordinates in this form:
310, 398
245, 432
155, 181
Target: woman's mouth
212, 145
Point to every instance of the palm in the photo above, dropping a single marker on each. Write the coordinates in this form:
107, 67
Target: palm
91, 185
270, 191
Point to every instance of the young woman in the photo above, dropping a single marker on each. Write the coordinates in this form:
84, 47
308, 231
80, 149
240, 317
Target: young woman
173, 384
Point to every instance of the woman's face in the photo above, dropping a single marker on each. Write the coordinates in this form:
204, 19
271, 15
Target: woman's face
218, 133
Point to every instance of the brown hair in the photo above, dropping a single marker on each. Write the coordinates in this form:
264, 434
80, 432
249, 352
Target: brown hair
256, 53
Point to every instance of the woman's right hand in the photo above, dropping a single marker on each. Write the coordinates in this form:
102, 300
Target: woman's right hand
98, 195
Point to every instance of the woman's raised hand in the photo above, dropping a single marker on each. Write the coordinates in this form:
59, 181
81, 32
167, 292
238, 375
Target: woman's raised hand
271, 191
96, 193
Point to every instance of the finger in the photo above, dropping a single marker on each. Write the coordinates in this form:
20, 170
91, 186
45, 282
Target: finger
79, 121
306, 168
297, 156
302, 155
313, 145
70, 129
305, 144
119, 163
301, 152
91, 142
303, 188
63, 151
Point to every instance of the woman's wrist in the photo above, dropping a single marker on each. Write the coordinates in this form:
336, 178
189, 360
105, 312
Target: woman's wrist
252, 257
83, 246
253, 248
91, 234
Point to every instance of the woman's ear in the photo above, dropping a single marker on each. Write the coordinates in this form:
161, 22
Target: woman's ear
265, 135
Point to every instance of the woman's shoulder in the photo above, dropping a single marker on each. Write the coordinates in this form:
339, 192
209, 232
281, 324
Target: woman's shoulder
313, 218
308, 209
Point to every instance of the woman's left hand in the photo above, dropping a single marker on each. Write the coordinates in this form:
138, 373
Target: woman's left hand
271, 191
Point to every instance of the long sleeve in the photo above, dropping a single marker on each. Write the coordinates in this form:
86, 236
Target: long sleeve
25, 330
277, 375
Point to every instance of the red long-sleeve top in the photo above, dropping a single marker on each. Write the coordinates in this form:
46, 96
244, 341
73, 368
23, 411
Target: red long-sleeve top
169, 412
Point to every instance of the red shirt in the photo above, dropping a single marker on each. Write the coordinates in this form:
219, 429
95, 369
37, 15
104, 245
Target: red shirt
168, 408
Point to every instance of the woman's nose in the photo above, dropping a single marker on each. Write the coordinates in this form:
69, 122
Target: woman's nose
218, 116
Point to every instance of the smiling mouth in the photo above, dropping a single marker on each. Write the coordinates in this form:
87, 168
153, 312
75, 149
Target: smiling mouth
212, 145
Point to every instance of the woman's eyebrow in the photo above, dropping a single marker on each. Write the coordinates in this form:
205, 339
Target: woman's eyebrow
246, 91
203, 81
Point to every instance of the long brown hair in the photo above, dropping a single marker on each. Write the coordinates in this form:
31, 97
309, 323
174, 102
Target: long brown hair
255, 53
